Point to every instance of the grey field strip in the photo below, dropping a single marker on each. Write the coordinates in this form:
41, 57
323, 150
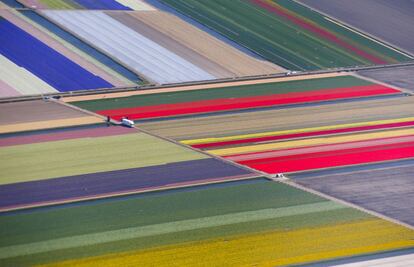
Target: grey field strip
351, 205
364, 17
164, 228
389, 191
360, 76
400, 77
367, 35
363, 171
32, 111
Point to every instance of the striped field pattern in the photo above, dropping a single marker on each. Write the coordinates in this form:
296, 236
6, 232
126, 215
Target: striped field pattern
97, 161
297, 148
57, 62
229, 98
359, 151
233, 224
318, 147
94, 195
287, 33
196, 180
161, 48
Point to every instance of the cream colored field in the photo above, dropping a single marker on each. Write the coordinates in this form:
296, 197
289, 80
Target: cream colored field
236, 62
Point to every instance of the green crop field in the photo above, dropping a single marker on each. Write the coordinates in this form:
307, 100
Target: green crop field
287, 33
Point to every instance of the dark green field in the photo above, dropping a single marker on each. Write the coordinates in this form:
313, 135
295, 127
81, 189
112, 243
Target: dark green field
287, 42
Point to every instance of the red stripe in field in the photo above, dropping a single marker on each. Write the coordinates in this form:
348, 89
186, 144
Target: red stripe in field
213, 105
336, 159
318, 30
306, 156
257, 157
307, 134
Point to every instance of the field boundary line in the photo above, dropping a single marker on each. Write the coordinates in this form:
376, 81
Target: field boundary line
216, 82
346, 203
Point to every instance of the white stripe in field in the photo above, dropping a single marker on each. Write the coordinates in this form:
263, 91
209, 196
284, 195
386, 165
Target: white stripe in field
396, 261
139, 53
137, 5
22, 80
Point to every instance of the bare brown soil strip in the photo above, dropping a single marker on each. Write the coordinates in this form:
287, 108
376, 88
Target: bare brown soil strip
33, 111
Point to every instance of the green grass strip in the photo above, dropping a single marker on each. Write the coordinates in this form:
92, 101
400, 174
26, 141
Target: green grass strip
88, 155
220, 93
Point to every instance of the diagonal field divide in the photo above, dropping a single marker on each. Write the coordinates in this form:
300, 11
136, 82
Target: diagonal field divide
258, 172
270, 177
253, 171
374, 213
404, 90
